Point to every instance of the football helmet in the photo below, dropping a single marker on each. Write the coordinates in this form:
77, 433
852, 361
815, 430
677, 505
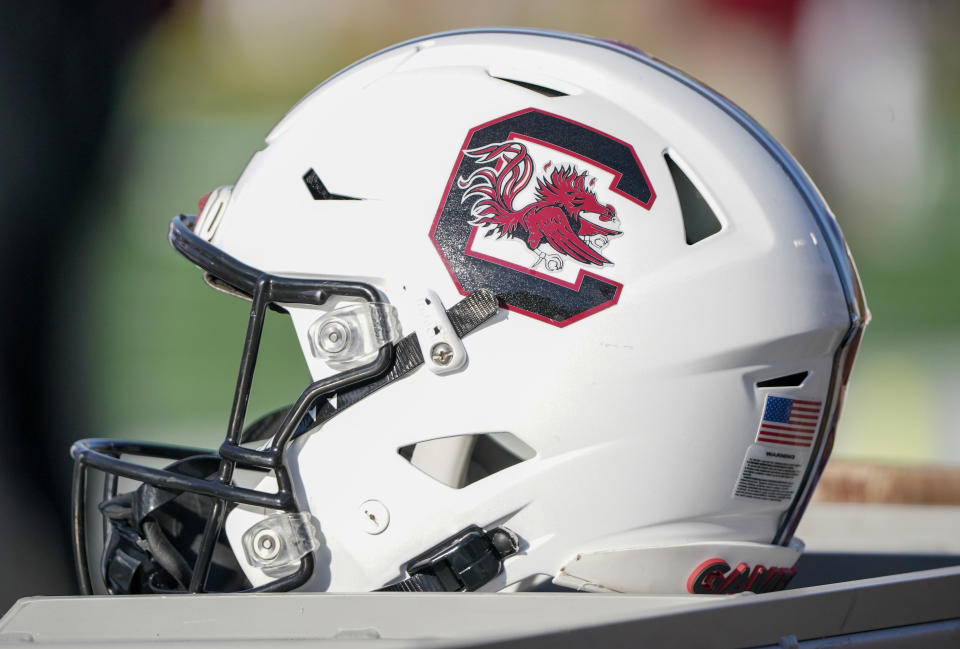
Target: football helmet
569, 315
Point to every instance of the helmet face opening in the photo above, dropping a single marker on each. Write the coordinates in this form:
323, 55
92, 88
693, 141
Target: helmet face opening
663, 318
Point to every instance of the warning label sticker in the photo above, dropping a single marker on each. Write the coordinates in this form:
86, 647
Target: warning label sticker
770, 474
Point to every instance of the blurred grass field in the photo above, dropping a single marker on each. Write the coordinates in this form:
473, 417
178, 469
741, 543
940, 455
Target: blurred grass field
210, 81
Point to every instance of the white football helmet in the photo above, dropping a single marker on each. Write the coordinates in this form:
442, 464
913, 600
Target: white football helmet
570, 316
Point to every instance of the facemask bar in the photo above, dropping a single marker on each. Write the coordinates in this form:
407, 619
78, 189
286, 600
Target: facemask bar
104, 454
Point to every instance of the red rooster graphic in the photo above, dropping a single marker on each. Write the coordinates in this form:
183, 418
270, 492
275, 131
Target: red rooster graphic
554, 217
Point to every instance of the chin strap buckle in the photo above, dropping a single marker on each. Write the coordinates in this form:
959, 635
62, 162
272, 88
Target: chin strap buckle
464, 562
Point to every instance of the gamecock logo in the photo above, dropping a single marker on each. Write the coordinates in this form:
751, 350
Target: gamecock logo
530, 213
553, 218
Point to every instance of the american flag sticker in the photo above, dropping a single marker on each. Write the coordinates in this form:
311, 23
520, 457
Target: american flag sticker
790, 422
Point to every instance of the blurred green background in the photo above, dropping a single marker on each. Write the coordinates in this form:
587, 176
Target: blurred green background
865, 94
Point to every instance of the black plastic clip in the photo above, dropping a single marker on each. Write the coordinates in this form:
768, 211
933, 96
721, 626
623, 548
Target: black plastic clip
464, 562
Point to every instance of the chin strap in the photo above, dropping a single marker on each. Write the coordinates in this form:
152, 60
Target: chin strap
465, 316
464, 562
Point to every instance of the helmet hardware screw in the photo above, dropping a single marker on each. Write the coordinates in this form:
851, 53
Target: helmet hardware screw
266, 544
333, 337
376, 516
441, 354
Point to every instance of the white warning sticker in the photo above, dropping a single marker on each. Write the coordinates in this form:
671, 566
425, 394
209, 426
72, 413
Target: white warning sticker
770, 474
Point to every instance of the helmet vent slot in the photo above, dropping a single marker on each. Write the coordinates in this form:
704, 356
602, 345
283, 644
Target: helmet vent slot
535, 87
462, 460
699, 219
319, 191
785, 381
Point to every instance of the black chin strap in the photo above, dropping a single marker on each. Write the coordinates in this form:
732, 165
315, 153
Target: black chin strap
419, 583
464, 562
465, 316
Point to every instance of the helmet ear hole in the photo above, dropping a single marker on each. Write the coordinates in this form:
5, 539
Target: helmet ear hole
446, 459
461, 460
